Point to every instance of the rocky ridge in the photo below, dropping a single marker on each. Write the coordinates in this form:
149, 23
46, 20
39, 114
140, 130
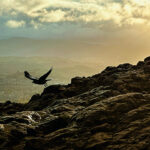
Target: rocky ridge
110, 111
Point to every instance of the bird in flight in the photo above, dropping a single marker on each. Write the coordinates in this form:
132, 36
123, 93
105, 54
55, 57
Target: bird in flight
41, 80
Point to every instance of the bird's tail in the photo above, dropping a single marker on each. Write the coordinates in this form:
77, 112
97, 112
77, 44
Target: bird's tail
48, 79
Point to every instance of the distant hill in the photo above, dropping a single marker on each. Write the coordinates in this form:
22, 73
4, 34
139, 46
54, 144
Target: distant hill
88, 50
67, 48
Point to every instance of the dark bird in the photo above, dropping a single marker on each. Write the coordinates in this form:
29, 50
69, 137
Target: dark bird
41, 80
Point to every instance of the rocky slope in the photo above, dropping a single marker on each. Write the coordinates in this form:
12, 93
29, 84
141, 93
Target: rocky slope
108, 111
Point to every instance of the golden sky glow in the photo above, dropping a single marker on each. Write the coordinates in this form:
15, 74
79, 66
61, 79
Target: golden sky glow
112, 28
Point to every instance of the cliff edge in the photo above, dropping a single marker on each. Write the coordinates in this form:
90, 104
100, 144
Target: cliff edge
110, 111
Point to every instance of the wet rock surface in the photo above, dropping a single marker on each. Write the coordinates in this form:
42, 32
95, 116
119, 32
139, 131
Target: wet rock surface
110, 111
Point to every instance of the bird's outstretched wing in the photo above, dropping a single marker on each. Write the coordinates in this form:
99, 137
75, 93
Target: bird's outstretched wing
45, 75
27, 75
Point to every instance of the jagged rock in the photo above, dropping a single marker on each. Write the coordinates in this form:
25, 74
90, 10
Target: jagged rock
31, 131
125, 66
140, 64
53, 124
147, 59
35, 97
147, 68
110, 110
10, 108
18, 133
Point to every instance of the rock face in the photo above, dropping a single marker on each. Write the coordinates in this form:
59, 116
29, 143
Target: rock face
108, 111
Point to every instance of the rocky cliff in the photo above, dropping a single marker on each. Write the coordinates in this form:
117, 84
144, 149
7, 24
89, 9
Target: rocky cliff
108, 111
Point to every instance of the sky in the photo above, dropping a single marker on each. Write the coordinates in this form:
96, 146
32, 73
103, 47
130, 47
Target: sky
111, 27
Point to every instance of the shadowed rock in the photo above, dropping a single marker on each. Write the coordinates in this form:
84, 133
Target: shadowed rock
110, 110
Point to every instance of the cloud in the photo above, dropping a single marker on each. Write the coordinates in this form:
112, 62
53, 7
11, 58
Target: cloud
86, 13
15, 24
53, 16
